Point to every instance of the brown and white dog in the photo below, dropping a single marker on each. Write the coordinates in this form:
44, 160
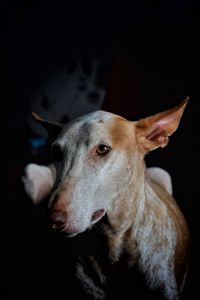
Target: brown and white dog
99, 169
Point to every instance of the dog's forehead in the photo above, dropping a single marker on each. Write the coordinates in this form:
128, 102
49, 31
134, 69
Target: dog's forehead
89, 122
98, 126
99, 116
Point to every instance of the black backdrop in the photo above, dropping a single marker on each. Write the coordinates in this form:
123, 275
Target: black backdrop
37, 39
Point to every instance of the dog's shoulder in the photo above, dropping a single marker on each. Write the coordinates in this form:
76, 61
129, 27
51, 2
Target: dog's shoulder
161, 176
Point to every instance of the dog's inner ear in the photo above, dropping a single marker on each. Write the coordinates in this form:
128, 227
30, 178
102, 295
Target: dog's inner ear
52, 128
153, 132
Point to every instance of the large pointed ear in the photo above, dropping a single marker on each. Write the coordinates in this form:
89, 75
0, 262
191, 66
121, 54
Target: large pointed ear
153, 132
52, 128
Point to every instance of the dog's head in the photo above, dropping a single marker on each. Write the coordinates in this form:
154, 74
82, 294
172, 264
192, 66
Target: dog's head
98, 159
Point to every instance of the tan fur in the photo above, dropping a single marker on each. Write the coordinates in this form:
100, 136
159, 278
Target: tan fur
153, 132
121, 133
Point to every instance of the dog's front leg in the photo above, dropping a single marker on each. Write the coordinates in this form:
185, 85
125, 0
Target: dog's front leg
38, 181
87, 283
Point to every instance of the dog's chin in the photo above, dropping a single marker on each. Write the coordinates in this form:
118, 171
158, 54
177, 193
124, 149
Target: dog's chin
69, 235
71, 231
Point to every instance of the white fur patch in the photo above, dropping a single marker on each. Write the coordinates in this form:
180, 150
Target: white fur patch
38, 182
162, 177
157, 241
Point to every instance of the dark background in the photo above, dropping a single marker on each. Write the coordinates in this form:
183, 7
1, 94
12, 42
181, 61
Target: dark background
155, 52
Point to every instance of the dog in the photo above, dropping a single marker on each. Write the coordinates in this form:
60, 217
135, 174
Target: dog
99, 169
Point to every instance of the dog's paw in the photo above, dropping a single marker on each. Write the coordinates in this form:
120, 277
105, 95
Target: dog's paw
38, 182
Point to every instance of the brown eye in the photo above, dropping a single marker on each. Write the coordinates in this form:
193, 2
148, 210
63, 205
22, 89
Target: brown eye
103, 149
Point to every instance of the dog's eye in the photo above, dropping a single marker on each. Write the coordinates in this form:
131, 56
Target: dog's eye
56, 153
103, 149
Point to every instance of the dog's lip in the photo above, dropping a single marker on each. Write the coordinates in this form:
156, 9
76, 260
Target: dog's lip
97, 215
70, 231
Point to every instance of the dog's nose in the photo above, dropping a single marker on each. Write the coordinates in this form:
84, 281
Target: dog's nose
58, 219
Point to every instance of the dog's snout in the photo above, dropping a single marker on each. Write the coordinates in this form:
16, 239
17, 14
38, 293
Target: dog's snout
58, 219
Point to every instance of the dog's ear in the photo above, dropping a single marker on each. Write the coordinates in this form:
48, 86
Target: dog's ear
52, 128
153, 132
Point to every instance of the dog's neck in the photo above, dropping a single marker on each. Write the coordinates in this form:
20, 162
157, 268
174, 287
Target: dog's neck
131, 215
126, 213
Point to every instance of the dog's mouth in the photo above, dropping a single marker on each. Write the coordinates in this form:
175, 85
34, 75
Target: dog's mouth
97, 215
71, 230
